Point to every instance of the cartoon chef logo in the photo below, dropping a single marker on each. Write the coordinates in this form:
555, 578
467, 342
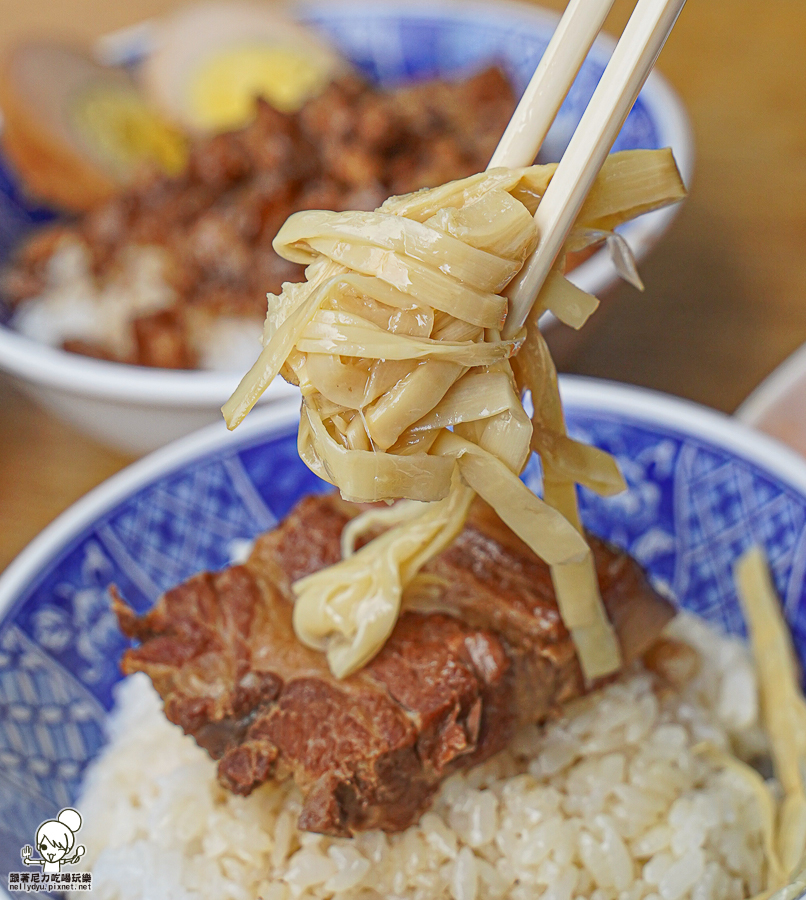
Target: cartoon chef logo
56, 841
56, 844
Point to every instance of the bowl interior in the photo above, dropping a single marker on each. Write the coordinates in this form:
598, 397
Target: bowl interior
392, 44
701, 490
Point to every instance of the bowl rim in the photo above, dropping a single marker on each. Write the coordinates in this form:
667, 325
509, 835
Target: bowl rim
46, 366
629, 403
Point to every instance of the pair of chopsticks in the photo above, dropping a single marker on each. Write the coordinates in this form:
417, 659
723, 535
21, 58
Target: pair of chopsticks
632, 60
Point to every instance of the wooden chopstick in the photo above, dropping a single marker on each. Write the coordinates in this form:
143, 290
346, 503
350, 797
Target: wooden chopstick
628, 69
549, 86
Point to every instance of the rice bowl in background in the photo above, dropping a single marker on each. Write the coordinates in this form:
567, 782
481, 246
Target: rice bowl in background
135, 410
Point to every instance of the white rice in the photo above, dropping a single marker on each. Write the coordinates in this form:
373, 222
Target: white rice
74, 304
610, 802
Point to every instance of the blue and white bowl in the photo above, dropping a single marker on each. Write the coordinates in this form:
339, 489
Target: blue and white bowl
702, 489
137, 409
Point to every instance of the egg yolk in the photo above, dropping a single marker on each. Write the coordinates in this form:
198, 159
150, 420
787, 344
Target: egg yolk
223, 89
121, 130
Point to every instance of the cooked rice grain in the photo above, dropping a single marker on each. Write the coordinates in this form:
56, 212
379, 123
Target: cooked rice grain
610, 802
76, 305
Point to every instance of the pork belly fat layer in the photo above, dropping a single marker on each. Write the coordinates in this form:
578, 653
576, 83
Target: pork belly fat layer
486, 653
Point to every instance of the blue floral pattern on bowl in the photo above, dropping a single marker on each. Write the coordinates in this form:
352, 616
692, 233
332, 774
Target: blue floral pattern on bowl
19, 214
692, 506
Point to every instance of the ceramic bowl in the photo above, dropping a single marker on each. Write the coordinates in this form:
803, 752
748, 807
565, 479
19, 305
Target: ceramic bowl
778, 405
135, 409
702, 489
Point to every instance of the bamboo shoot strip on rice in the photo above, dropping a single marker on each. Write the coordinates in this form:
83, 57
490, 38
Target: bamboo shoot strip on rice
409, 393
783, 711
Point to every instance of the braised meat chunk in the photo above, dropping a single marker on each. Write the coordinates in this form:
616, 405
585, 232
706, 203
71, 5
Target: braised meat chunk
483, 652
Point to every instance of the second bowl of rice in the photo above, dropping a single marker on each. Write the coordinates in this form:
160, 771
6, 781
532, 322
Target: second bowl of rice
136, 409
